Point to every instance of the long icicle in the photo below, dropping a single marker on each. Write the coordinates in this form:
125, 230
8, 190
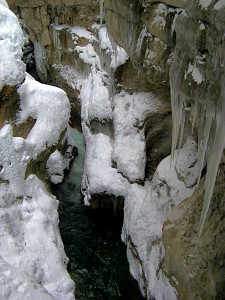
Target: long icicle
101, 11
215, 147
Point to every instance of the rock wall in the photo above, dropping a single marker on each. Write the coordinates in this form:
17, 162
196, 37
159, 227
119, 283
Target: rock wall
196, 272
195, 31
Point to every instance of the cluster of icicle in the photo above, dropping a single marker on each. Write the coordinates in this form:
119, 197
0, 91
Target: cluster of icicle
211, 137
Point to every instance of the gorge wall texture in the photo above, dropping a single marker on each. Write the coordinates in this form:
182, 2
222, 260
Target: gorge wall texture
176, 51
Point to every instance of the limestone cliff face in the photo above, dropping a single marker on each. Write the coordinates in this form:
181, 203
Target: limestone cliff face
197, 273
145, 30
38, 15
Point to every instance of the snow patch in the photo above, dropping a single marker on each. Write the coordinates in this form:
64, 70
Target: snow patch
100, 177
129, 142
55, 167
94, 98
32, 258
118, 54
195, 72
82, 32
4, 3
49, 106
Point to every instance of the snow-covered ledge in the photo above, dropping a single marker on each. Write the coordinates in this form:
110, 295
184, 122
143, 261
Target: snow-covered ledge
32, 258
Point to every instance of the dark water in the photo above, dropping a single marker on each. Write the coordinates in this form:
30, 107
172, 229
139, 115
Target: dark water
98, 263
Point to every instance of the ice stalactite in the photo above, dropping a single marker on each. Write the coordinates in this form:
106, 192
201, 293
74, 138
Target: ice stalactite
41, 61
101, 11
56, 41
216, 143
209, 118
178, 111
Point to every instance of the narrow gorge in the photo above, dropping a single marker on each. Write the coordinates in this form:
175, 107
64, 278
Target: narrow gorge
143, 81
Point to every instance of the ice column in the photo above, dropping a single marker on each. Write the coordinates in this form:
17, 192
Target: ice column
101, 11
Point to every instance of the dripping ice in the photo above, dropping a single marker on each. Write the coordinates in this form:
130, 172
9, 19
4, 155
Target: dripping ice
211, 137
101, 11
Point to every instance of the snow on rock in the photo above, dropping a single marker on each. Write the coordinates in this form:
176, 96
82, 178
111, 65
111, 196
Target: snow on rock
30, 241
118, 54
49, 106
73, 78
32, 258
99, 175
16, 284
88, 55
81, 32
3, 2
11, 43
55, 167
144, 213
195, 72
175, 180
129, 142
58, 163
13, 160
94, 98
31, 245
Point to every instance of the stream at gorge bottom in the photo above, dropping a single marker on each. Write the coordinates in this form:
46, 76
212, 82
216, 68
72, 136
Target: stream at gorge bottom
97, 256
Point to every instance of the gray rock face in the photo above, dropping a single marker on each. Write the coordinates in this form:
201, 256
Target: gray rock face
199, 271
144, 30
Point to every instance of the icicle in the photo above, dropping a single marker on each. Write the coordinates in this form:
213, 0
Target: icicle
56, 42
194, 113
178, 114
181, 131
203, 136
178, 109
215, 151
101, 11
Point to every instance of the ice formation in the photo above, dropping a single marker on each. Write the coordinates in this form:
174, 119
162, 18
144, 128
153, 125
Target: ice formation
118, 56
40, 61
56, 40
211, 138
101, 11
205, 111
